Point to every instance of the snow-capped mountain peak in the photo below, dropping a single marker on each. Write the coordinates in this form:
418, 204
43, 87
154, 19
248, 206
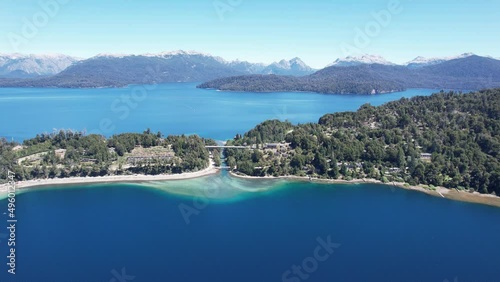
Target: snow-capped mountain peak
284, 64
21, 65
295, 63
161, 54
423, 61
190, 53
361, 60
164, 55
294, 66
187, 53
299, 63
110, 55
179, 53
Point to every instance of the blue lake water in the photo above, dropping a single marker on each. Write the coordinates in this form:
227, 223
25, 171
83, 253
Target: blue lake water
84, 233
178, 108
220, 228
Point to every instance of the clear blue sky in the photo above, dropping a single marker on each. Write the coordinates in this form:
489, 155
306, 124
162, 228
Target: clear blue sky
253, 30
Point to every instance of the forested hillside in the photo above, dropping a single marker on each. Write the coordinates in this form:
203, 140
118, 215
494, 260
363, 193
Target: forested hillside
470, 73
108, 71
68, 154
178, 66
366, 79
448, 139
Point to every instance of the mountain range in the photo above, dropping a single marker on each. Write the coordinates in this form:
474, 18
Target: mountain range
295, 67
25, 66
372, 75
113, 70
365, 74
366, 59
420, 61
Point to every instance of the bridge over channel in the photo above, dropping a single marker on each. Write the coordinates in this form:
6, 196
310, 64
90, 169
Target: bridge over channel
228, 147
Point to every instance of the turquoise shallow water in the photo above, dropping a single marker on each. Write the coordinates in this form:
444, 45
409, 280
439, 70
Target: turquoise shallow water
177, 108
219, 229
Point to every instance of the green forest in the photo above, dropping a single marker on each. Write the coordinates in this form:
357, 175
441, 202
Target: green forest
448, 139
470, 73
69, 154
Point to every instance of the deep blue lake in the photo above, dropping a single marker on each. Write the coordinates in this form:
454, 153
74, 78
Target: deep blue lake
177, 108
379, 234
220, 228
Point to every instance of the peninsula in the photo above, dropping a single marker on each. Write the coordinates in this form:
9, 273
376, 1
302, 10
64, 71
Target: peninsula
447, 144
449, 140
70, 157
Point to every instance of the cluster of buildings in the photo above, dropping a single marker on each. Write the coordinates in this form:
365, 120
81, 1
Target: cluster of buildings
134, 160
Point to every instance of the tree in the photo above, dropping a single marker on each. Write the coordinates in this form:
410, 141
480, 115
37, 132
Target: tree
217, 160
401, 158
231, 162
298, 161
246, 168
256, 156
334, 171
321, 164
120, 149
343, 170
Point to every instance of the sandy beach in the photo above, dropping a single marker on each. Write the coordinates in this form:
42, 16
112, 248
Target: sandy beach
451, 194
31, 184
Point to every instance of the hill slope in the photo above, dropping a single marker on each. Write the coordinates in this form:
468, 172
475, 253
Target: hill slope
178, 66
113, 71
469, 73
26, 66
460, 132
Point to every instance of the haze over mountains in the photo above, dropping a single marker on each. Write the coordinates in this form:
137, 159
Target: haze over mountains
364, 77
24, 66
114, 70
423, 62
366, 74
361, 60
294, 67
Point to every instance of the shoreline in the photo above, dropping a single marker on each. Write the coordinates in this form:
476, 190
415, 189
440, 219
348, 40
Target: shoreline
441, 192
33, 184
450, 194
310, 92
